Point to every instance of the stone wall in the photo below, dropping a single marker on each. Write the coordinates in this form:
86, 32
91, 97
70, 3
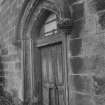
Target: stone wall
87, 53
9, 53
86, 57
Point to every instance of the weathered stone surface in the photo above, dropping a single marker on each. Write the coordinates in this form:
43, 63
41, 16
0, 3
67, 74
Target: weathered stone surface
18, 65
9, 11
77, 28
4, 51
79, 99
99, 85
93, 45
75, 46
78, 11
87, 48
99, 4
90, 65
90, 25
88, 58
80, 83
9, 58
73, 1
99, 100
100, 22
76, 64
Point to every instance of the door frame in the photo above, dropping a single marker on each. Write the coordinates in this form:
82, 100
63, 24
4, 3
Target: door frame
54, 39
29, 19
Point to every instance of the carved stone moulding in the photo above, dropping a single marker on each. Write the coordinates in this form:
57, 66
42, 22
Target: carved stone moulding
5, 101
65, 25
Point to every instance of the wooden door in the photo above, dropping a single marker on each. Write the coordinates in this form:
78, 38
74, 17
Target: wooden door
53, 70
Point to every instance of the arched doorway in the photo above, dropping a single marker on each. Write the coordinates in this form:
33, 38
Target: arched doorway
52, 52
44, 55
49, 60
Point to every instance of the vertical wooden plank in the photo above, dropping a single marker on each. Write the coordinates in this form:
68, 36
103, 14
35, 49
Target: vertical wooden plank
54, 62
59, 63
51, 96
45, 96
37, 75
61, 98
44, 59
51, 71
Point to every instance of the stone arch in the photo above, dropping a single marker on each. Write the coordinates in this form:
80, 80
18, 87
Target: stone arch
28, 12
31, 19
7, 99
30, 9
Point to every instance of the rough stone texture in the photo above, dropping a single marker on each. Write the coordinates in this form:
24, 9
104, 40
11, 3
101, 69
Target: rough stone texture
81, 99
78, 11
87, 54
81, 84
87, 51
9, 53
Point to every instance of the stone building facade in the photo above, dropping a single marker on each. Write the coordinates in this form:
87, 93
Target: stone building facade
81, 29
11, 74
